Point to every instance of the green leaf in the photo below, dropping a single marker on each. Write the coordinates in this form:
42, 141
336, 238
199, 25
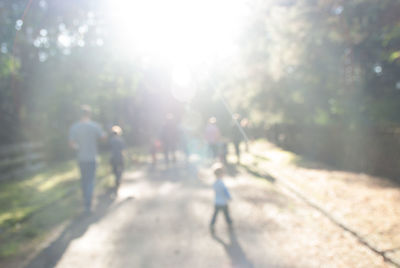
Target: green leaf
394, 56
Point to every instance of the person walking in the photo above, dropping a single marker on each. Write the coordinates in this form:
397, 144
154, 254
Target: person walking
222, 197
83, 137
236, 136
169, 137
212, 137
117, 146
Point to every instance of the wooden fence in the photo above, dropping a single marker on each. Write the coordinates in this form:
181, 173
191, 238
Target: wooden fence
19, 159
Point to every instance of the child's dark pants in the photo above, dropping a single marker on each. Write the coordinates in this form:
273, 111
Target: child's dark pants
218, 208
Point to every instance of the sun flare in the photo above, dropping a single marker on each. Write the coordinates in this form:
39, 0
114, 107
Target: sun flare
178, 31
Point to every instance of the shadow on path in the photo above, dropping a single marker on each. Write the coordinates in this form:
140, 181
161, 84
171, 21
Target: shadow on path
231, 169
50, 256
234, 250
174, 172
256, 173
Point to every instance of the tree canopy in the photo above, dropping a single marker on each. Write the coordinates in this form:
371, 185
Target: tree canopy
313, 62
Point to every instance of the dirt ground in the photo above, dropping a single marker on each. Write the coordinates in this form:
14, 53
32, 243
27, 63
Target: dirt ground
160, 218
364, 204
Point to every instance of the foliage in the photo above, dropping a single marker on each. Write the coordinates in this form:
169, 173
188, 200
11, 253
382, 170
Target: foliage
32, 206
326, 62
323, 62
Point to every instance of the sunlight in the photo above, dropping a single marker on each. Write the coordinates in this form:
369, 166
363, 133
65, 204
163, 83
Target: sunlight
181, 76
183, 88
181, 31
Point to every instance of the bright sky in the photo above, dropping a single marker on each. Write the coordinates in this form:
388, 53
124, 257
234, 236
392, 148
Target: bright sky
186, 32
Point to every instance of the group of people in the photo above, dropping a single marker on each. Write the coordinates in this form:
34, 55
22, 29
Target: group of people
218, 145
85, 134
173, 137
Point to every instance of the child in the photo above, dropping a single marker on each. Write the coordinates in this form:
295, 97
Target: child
222, 197
117, 145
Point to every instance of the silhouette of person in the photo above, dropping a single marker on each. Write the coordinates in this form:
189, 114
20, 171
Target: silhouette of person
212, 136
169, 137
236, 135
117, 146
83, 137
222, 196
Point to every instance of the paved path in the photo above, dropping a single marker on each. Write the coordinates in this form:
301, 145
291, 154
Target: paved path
160, 219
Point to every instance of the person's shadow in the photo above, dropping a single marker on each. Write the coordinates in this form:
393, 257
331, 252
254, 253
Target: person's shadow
231, 169
234, 250
50, 256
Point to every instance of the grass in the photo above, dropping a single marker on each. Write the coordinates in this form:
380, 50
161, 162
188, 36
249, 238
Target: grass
33, 205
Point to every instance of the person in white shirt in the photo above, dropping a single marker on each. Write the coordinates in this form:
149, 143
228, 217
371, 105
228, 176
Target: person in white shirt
222, 197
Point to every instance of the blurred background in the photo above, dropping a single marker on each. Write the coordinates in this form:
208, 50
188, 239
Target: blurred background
318, 77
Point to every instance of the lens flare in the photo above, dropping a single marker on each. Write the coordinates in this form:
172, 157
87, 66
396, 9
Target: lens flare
183, 88
178, 30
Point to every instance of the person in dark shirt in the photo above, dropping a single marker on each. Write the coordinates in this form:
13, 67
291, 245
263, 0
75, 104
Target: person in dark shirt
236, 135
117, 146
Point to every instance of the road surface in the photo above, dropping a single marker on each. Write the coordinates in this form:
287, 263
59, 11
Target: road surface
160, 218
